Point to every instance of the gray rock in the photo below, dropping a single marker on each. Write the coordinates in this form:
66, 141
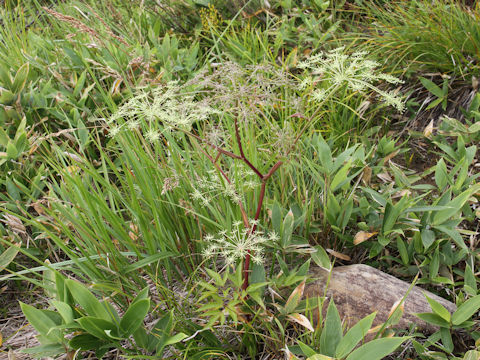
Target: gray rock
359, 290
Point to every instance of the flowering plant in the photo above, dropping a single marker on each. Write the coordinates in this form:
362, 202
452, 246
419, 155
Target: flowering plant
219, 111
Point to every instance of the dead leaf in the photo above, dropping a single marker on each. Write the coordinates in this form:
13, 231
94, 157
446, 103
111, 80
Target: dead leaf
427, 132
362, 236
395, 306
11, 355
339, 255
390, 156
385, 177
73, 156
374, 329
295, 296
401, 193
367, 175
15, 224
302, 320
134, 232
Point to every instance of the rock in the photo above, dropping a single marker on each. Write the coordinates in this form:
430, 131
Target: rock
359, 290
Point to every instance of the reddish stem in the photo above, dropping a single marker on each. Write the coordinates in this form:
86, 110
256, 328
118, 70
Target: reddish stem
242, 155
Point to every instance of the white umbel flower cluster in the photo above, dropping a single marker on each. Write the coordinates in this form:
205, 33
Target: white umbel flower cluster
234, 245
355, 71
169, 105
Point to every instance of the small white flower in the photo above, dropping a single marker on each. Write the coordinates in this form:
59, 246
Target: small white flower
234, 245
152, 135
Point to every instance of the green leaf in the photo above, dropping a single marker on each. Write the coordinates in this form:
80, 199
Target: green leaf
277, 218
175, 339
472, 355
287, 229
438, 309
377, 349
434, 264
134, 316
4, 139
446, 339
65, 311
96, 326
12, 152
354, 336
85, 342
41, 322
470, 280
45, 351
441, 175
20, 78
455, 206
432, 87
319, 357
7, 97
466, 310
433, 319
147, 261
402, 249
428, 238
8, 255
332, 331
320, 257
340, 176
87, 300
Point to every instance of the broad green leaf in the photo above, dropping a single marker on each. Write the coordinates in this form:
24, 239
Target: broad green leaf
87, 300
64, 310
306, 350
20, 79
376, 349
446, 339
454, 235
441, 175
143, 294
12, 152
4, 139
466, 310
320, 357
287, 229
8, 255
470, 280
324, 153
432, 87
354, 336
434, 264
433, 319
97, 326
277, 218
175, 339
45, 351
402, 249
438, 309
320, 257
472, 355
428, 238
456, 204
41, 322
7, 97
133, 317
341, 176
85, 342
332, 331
